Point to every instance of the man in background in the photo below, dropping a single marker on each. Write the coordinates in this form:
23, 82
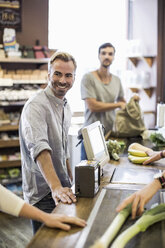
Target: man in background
102, 92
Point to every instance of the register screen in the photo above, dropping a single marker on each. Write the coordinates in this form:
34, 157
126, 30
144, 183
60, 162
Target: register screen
96, 141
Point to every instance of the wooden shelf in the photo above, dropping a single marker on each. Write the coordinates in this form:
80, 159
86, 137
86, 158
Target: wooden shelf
134, 89
9, 128
135, 60
148, 91
12, 103
12, 163
9, 143
11, 180
25, 60
148, 59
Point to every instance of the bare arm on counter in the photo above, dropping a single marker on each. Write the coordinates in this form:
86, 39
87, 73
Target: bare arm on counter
14, 205
155, 156
140, 198
50, 220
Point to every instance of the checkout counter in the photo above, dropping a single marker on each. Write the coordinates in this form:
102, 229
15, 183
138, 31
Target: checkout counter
120, 179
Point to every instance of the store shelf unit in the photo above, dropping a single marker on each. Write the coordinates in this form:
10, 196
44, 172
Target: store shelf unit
11, 106
29, 63
9, 164
24, 60
9, 143
135, 61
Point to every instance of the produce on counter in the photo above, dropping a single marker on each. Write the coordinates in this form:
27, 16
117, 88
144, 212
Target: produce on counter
137, 160
149, 217
139, 147
113, 229
137, 153
157, 139
114, 148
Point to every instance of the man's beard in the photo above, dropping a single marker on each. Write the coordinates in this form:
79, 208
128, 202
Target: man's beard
105, 65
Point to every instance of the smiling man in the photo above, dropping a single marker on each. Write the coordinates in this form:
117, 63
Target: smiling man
43, 131
102, 92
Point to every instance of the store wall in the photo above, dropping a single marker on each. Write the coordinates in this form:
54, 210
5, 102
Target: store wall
161, 52
34, 23
145, 24
144, 27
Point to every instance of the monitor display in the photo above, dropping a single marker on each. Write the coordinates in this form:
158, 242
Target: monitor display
94, 143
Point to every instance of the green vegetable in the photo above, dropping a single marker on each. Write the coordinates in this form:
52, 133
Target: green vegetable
148, 218
14, 172
113, 229
157, 139
114, 148
115, 155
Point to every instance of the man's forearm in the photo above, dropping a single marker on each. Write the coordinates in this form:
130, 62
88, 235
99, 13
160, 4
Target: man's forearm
69, 169
45, 164
98, 106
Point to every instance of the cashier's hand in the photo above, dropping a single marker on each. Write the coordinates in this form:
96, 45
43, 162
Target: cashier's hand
154, 156
63, 194
60, 220
140, 198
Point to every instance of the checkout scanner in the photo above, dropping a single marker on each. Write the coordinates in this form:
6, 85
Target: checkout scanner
87, 172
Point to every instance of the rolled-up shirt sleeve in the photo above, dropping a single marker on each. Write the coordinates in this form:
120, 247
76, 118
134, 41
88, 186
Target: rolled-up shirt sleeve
9, 202
34, 130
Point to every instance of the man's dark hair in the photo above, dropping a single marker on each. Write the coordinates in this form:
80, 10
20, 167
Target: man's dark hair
106, 45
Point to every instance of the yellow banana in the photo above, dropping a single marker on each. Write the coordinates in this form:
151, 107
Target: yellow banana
137, 153
137, 160
137, 146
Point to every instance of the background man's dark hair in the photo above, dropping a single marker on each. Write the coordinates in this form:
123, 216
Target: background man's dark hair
106, 45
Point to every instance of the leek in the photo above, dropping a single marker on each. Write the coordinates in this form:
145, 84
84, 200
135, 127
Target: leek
148, 218
113, 229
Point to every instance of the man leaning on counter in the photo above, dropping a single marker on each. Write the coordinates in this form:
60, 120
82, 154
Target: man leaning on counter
43, 131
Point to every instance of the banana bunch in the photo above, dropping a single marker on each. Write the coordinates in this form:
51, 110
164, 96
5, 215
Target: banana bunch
137, 153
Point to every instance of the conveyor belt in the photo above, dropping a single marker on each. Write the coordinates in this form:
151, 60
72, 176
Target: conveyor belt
104, 212
140, 176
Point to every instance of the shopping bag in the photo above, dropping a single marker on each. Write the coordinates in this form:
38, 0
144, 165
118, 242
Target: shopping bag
129, 121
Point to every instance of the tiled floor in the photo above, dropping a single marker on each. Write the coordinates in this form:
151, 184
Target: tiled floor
14, 232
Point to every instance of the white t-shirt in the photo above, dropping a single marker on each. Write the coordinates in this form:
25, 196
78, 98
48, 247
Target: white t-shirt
9, 202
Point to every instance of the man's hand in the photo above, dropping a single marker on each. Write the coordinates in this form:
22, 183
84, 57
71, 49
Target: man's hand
122, 105
63, 194
136, 97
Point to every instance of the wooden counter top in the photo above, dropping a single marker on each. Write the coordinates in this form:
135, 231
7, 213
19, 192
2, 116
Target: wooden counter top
55, 238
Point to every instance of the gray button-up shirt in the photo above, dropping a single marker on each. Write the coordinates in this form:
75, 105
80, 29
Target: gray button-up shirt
44, 124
